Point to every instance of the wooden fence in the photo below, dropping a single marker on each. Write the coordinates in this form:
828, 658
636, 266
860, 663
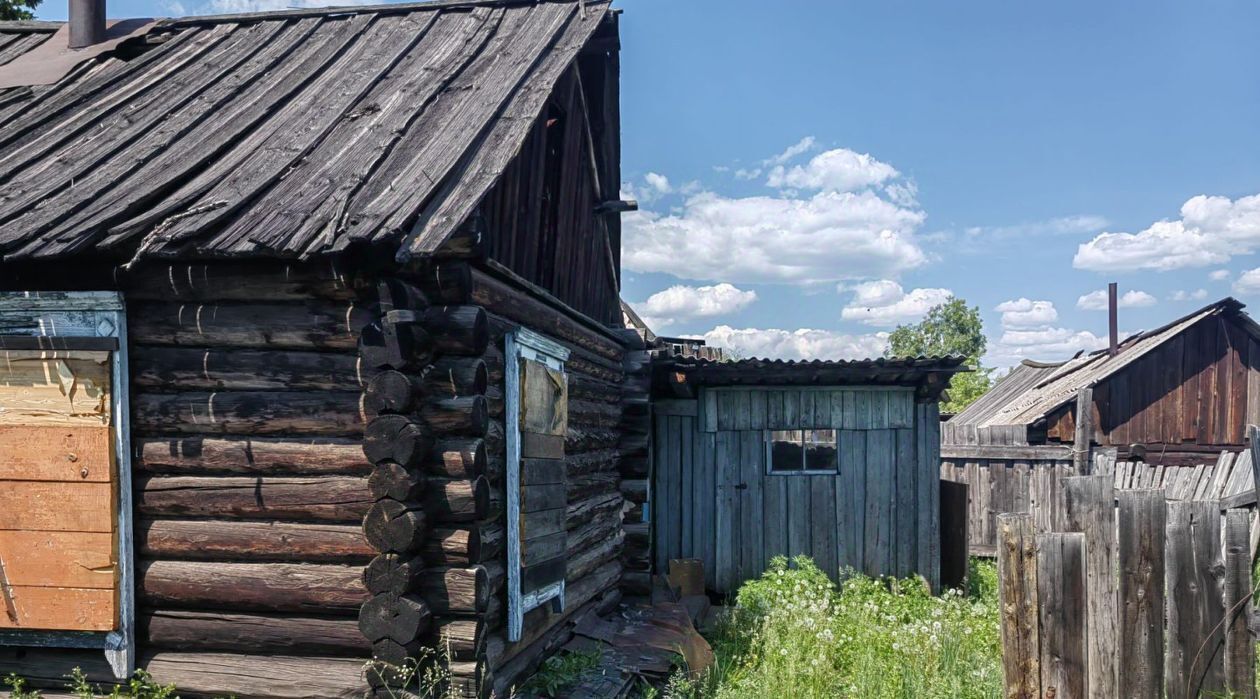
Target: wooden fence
1032, 485
1132, 593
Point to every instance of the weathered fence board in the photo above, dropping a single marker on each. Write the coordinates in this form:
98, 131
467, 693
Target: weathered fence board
1194, 567
1088, 508
1140, 666
1240, 649
1017, 573
1061, 598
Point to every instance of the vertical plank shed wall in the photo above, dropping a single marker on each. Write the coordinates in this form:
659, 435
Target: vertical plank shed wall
1199, 387
249, 486
878, 515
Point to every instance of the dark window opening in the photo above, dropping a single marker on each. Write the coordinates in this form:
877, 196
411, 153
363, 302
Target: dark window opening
803, 451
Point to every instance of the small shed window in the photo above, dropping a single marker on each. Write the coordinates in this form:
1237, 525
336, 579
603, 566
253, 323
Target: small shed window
802, 451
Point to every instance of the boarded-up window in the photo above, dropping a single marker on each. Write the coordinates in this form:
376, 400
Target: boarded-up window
65, 528
57, 510
537, 417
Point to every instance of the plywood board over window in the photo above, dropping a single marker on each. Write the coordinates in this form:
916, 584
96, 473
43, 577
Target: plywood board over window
537, 399
65, 534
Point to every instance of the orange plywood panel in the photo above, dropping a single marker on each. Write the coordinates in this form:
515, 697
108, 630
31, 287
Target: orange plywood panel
58, 559
52, 506
40, 388
79, 453
58, 609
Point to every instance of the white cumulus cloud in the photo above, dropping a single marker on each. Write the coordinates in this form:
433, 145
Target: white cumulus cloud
800, 147
837, 170
658, 182
1046, 344
1210, 231
1248, 282
797, 344
1023, 313
679, 303
1097, 300
884, 303
1218, 275
1184, 295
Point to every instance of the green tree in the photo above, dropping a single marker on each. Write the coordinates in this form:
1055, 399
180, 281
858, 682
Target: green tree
949, 329
17, 9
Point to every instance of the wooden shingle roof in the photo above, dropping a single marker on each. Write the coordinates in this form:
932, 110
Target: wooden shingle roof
289, 134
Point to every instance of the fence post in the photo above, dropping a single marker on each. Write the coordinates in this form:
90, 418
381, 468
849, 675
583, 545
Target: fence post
1062, 598
1084, 435
1017, 594
1194, 660
1240, 649
1140, 669
1089, 508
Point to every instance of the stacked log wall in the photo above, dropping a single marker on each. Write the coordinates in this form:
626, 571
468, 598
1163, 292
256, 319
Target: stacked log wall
250, 483
249, 478
636, 425
481, 658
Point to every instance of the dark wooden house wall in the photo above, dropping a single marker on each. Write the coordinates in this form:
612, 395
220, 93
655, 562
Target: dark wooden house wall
250, 483
1198, 389
594, 449
540, 220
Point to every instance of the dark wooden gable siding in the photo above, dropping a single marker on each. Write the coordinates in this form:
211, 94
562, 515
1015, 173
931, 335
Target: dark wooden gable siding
540, 219
1198, 388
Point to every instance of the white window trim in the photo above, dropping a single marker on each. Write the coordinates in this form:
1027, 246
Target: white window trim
91, 314
769, 441
523, 344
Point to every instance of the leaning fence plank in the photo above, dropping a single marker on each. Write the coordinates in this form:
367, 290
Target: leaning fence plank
1017, 589
1089, 508
1140, 667
1193, 566
1062, 599
1240, 647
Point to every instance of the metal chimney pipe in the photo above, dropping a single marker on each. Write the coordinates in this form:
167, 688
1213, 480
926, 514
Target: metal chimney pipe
87, 23
1113, 328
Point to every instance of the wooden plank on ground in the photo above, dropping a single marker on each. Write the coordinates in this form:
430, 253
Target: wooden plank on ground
1194, 658
1062, 604
1017, 592
1140, 663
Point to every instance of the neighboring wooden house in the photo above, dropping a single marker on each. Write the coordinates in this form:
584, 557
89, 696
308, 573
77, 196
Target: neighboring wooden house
312, 344
836, 460
1174, 396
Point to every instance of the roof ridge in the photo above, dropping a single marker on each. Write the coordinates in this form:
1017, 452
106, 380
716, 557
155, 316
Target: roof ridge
337, 10
31, 26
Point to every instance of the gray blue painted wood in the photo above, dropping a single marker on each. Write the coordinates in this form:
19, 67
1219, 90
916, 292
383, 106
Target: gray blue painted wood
714, 499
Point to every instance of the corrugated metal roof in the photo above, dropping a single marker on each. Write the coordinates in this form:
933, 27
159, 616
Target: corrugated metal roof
1036, 391
286, 134
751, 372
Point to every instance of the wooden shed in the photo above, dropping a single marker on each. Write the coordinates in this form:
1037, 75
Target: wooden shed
1174, 396
312, 345
837, 460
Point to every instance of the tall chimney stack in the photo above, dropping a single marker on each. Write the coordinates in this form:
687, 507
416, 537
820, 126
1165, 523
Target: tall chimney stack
1113, 329
87, 23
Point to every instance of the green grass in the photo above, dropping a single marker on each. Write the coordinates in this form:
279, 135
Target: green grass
792, 633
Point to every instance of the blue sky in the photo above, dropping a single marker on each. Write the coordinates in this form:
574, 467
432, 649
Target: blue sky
838, 167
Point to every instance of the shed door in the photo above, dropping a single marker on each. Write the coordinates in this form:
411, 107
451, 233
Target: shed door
58, 553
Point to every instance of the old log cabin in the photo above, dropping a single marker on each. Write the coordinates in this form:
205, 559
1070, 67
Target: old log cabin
1174, 396
837, 460
313, 346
